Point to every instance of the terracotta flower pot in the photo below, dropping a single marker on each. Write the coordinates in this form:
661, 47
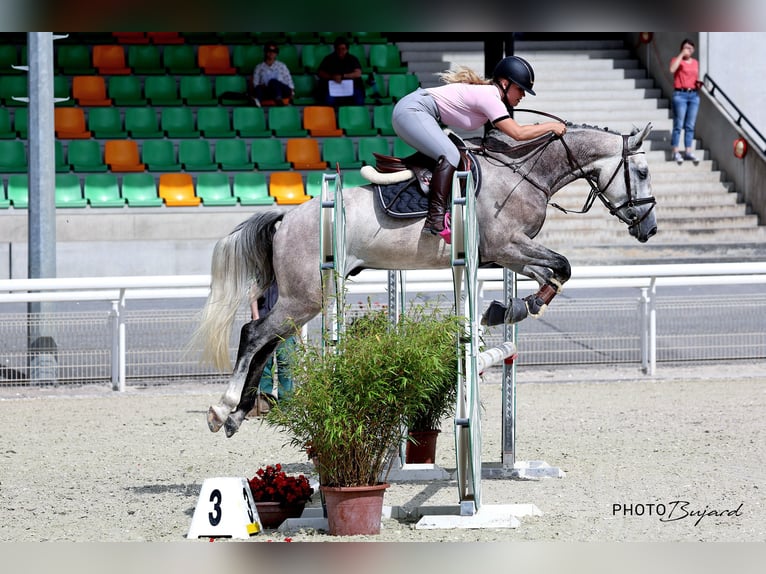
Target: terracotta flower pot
423, 451
354, 509
272, 514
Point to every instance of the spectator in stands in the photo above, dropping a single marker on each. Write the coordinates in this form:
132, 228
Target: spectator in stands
285, 385
272, 79
686, 101
340, 77
466, 101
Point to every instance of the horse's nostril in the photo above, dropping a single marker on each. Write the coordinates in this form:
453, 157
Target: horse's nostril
652, 231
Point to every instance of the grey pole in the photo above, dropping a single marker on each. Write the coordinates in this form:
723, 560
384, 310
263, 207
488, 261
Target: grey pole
41, 258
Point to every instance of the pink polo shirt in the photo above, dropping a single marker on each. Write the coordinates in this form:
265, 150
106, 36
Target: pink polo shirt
468, 106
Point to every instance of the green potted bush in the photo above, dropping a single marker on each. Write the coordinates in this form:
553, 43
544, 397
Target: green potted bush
352, 402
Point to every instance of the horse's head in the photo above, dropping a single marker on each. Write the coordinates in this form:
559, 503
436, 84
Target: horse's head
627, 191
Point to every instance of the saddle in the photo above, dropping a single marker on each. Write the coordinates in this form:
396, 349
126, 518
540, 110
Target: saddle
402, 184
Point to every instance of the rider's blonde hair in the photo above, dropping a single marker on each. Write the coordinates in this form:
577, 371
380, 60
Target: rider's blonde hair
462, 75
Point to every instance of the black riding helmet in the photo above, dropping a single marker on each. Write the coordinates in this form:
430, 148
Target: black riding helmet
516, 70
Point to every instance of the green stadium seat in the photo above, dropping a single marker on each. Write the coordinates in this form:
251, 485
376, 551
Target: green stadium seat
180, 59
5, 203
215, 189
285, 122
402, 149
360, 52
140, 190
61, 164
353, 178
355, 121
9, 56
14, 86
201, 37
145, 60
368, 145
386, 59
399, 85
367, 38
178, 122
126, 90
381, 119
376, 93
6, 128
231, 155
18, 190
288, 54
159, 155
196, 155
268, 154
13, 156
62, 89
305, 89
314, 181
103, 190
269, 37
74, 60
312, 55
250, 122
69, 191
86, 155
197, 91
162, 91
251, 188
21, 122
339, 152
142, 123
245, 57
106, 123
231, 90
215, 123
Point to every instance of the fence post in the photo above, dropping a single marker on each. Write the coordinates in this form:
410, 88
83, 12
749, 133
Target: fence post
118, 343
644, 303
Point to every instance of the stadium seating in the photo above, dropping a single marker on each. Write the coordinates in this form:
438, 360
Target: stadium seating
177, 190
106, 123
162, 91
90, 91
145, 60
286, 122
180, 59
268, 154
355, 121
339, 152
214, 123
231, 155
321, 121
86, 155
159, 155
6, 128
197, 91
103, 190
126, 91
287, 188
215, 59
142, 123
215, 189
386, 59
18, 190
178, 122
303, 153
196, 155
140, 190
122, 155
109, 59
368, 145
13, 156
69, 191
250, 122
14, 87
251, 188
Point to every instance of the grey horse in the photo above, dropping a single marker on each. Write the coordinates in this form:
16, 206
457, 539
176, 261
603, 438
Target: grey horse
510, 210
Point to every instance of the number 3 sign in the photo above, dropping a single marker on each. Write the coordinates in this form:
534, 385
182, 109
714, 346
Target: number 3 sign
225, 509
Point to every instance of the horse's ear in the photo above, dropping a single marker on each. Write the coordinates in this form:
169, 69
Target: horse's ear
636, 139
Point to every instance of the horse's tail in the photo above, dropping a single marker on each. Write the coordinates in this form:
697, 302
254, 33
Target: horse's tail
241, 269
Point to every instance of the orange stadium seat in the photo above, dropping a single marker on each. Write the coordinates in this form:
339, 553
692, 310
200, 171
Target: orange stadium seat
122, 155
90, 91
215, 59
110, 59
177, 189
69, 123
287, 188
321, 121
303, 153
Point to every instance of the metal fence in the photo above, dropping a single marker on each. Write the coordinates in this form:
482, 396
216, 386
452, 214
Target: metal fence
143, 339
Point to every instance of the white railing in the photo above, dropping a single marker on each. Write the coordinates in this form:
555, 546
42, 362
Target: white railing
646, 278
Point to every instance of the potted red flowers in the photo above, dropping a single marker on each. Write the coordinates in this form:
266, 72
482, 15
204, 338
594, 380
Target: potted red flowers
279, 496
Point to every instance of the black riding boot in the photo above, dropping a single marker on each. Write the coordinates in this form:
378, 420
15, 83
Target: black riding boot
439, 194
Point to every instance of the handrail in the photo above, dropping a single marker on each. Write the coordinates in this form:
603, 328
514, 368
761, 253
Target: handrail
740, 116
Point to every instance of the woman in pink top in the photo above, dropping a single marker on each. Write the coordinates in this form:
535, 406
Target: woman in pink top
466, 101
686, 101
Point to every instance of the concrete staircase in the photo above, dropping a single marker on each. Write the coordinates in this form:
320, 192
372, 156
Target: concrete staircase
599, 83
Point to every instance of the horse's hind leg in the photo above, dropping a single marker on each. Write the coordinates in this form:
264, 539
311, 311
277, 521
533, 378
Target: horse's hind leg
249, 357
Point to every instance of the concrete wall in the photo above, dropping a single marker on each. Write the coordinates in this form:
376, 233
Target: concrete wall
734, 61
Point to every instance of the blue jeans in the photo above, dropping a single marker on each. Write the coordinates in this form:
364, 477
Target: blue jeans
685, 107
274, 90
285, 383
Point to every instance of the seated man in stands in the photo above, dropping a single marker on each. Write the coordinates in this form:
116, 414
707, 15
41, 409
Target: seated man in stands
340, 77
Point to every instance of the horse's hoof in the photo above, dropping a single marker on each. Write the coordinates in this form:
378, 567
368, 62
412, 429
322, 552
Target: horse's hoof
214, 419
494, 315
535, 306
517, 311
231, 427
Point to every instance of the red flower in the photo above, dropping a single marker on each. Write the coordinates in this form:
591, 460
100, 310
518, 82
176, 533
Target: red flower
270, 484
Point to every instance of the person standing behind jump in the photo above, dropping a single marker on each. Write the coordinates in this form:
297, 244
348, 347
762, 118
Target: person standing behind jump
466, 101
686, 100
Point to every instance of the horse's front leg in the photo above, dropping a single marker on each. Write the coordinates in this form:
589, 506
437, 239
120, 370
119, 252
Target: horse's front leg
246, 354
551, 270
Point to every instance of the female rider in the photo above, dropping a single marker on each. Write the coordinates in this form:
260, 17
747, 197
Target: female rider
466, 101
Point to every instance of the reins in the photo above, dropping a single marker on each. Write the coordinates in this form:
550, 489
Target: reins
594, 189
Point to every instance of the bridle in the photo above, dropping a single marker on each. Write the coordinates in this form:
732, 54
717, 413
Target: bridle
595, 191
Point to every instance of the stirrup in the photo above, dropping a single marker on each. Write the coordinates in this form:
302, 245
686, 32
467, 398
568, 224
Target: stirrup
446, 233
